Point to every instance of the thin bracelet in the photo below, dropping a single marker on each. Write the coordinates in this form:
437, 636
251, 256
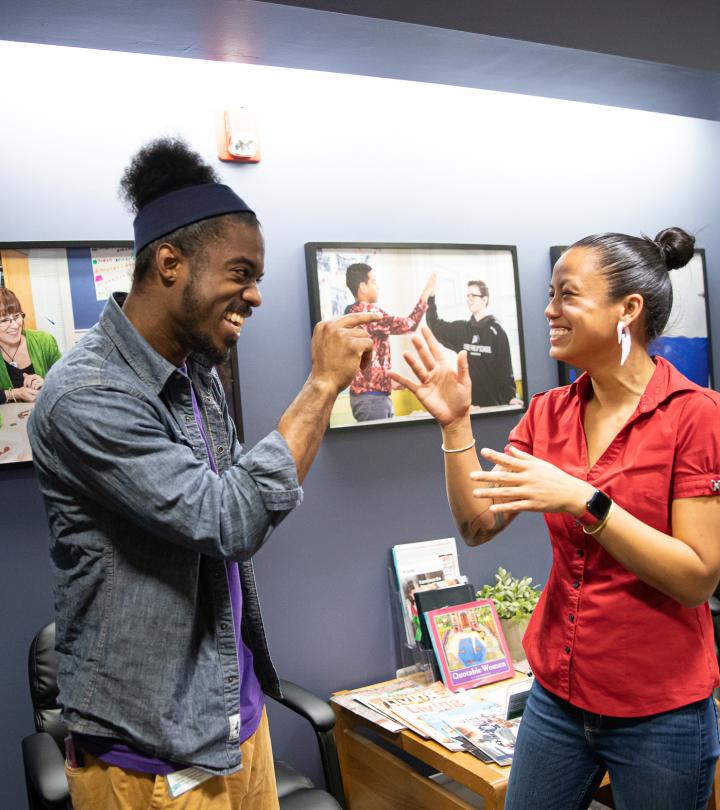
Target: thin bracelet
598, 527
10, 393
459, 449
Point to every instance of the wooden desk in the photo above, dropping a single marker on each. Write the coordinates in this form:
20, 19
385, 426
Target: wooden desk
375, 778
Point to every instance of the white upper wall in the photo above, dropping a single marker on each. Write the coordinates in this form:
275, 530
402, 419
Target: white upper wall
350, 158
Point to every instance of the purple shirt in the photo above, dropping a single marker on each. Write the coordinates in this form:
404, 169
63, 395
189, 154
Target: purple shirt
115, 752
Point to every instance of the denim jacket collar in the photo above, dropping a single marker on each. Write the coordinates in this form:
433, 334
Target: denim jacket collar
152, 368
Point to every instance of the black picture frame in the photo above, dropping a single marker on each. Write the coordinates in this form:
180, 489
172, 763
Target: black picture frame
402, 269
668, 345
59, 290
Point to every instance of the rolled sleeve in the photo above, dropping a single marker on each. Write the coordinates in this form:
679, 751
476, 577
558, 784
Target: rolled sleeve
697, 457
158, 482
272, 468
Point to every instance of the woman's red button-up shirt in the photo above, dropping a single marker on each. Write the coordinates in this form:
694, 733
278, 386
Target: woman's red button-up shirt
599, 637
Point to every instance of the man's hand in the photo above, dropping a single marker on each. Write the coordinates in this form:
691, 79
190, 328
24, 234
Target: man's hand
429, 288
340, 348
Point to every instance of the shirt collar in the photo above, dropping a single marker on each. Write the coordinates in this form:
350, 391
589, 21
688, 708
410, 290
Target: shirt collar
152, 368
665, 381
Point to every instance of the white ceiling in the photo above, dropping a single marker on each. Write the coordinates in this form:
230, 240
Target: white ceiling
645, 54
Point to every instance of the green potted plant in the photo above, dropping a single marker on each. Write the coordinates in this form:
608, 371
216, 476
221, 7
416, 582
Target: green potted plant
515, 600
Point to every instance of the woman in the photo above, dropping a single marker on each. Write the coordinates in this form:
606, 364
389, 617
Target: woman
625, 466
27, 355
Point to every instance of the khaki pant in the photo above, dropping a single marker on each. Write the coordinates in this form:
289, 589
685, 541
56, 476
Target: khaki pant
98, 786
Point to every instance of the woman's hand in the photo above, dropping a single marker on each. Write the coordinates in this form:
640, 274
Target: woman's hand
21, 394
528, 484
442, 387
34, 381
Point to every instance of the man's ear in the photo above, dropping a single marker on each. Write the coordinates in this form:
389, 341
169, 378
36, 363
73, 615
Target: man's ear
168, 260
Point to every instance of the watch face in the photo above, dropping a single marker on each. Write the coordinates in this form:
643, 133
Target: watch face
599, 504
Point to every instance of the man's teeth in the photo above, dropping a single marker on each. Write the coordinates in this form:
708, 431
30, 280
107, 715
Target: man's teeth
234, 318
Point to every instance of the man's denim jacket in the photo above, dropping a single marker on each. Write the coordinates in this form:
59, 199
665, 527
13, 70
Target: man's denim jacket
140, 530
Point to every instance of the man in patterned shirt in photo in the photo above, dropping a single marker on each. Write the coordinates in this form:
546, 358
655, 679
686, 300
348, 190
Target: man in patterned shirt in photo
370, 389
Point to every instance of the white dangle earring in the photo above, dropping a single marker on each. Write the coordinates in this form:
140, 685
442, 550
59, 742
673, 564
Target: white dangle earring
624, 340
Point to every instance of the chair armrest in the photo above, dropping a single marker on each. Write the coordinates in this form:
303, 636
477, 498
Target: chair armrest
322, 718
45, 767
309, 706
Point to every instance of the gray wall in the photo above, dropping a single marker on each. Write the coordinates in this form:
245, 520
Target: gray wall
345, 158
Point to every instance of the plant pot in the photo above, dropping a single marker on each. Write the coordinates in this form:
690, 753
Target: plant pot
514, 630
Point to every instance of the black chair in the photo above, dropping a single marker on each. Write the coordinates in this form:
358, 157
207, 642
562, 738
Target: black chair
43, 755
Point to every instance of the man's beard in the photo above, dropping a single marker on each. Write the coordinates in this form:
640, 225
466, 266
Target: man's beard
200, 342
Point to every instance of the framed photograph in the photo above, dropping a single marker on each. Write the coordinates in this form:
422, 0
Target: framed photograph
468, 295
62, 288
686, 341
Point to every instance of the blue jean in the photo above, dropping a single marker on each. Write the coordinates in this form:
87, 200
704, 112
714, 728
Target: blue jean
366, 407
661, 762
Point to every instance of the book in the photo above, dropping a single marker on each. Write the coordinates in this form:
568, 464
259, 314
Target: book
427, 564
469, 644
433, 599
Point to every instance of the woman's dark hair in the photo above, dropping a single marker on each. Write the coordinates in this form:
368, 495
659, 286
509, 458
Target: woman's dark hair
162, 166
638, 264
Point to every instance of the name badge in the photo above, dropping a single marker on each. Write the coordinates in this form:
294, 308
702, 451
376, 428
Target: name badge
187, 779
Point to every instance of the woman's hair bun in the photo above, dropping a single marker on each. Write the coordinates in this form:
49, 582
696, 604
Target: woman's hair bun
677, 247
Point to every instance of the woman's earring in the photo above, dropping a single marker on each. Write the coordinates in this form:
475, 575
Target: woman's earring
624, 340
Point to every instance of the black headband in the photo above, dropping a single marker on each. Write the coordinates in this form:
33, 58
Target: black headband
183, 207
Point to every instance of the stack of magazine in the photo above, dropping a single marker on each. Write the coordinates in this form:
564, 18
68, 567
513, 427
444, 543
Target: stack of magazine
437, 616
461, 721
438, 612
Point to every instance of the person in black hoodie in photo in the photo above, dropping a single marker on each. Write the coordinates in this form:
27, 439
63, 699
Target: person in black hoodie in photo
486, 344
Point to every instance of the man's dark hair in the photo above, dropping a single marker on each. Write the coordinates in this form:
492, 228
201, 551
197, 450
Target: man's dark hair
160, 167
638, 264
355, 275
482, 286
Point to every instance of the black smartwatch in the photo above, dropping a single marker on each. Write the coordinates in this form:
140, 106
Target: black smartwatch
596, 509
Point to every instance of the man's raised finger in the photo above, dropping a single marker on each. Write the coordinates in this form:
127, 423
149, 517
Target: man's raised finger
357, 319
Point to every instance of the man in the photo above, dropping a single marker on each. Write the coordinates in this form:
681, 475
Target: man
486, 344
155, 512
370, 390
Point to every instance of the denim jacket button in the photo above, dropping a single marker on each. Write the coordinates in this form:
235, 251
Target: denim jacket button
220, 450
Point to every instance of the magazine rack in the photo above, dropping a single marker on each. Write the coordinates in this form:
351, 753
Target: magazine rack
408, 655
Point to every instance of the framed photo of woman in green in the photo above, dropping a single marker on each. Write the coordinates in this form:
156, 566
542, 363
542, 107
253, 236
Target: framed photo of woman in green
51, 294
